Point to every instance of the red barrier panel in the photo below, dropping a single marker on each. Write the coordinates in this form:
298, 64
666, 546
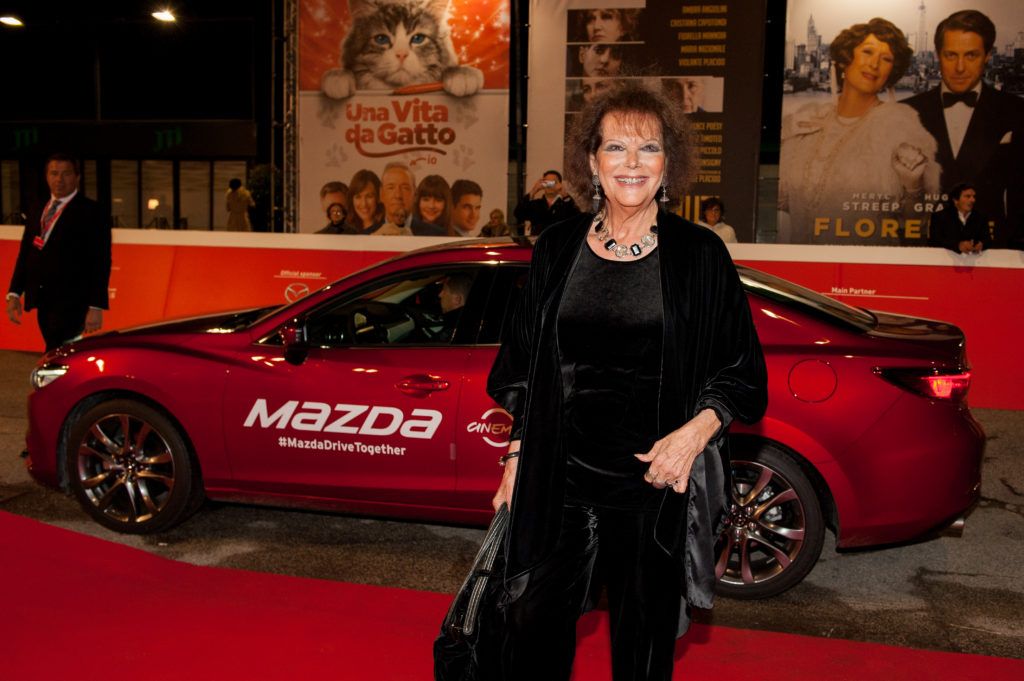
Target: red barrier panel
163, 275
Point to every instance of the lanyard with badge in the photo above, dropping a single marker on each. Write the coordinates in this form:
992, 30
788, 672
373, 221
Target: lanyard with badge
45, 225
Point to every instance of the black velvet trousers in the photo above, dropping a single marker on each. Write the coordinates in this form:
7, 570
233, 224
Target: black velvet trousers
644, 588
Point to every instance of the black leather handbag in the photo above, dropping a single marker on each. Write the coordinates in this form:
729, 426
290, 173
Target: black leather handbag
468, 646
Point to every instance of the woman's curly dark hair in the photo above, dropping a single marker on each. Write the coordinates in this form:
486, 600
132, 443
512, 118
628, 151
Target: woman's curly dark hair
635, 102
841, 49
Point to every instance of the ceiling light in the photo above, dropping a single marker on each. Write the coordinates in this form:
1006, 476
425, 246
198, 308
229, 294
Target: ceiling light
164, 15
11, 21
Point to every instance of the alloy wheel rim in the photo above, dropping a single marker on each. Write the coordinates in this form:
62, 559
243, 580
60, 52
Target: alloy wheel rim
125, 468
764, 528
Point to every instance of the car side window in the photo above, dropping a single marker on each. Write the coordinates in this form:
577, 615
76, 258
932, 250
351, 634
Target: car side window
503, 302
424, 307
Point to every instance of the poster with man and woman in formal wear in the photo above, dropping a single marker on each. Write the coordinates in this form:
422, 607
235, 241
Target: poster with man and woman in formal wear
892, 114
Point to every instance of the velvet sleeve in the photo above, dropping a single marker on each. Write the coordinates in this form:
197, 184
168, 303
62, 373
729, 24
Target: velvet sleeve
737, 379
507, 381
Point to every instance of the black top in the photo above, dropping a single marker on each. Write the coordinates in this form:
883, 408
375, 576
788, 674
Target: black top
609, 340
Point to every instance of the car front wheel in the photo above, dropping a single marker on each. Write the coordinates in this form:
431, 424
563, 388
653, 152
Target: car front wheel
130, 469
774, 529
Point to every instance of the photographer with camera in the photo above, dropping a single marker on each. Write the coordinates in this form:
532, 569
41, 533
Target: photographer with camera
547, 203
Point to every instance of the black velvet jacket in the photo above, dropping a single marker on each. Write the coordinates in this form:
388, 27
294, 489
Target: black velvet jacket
711, 358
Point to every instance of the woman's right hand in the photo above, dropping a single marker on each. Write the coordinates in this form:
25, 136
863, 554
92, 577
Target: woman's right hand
508, 480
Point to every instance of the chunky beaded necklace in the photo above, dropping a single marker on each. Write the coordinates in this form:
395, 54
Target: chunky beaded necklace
622, 250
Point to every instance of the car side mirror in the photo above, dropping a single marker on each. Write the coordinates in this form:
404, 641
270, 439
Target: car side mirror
293, 337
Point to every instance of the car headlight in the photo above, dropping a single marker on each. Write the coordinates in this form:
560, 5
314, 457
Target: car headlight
46, 374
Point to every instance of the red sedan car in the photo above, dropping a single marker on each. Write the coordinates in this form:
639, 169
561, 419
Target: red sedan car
368, 397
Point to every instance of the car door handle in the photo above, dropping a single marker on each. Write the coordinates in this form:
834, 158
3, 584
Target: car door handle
422, 383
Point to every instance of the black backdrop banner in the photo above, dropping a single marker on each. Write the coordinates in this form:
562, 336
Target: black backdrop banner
707, 57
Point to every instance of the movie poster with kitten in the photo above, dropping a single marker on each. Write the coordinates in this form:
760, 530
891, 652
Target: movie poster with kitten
403, 116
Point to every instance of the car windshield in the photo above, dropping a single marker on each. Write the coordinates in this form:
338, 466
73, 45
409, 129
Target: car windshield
787, 292
250, 317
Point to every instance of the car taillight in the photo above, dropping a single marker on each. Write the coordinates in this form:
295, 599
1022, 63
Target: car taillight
937, 384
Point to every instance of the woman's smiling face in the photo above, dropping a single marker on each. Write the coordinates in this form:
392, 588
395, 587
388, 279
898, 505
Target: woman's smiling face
630, 162
365, 204
431, 208
870, 66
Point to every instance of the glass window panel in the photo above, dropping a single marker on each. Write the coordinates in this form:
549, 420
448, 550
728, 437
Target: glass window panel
88, 182
405, 310
11, 191
157, 194
223, 171
124, 193
194, 194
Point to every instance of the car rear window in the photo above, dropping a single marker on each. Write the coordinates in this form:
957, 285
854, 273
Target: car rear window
784, 291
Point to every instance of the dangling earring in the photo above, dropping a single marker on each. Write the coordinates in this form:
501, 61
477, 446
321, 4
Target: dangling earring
596, 198
663, 199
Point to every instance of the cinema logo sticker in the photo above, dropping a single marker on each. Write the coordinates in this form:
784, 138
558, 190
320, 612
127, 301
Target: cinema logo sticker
494, 426
404, 126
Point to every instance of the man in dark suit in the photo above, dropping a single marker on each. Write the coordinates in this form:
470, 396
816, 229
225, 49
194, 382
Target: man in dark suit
959, 227
63, 265
979, 130
546, 204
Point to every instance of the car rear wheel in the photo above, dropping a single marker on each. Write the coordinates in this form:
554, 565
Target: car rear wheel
774, 528
130, 469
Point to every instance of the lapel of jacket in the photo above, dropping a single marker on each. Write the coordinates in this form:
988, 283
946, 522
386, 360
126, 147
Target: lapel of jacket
64, 224
933, 118
568, 241
982, 137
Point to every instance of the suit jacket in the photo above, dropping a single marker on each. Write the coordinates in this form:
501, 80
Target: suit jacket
540, 214
991, 156
72, 270
711, 358
946, 231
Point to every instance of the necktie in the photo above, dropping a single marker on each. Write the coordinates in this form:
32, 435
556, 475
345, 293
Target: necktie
47, 222
970, 98
54, 205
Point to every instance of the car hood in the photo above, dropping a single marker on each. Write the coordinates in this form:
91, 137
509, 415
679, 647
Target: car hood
224, 322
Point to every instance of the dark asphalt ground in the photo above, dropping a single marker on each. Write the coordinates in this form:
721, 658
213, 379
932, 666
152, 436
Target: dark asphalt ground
956, 594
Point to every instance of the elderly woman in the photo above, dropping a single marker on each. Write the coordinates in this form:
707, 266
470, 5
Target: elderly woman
853, 170
632, 351
432, 207
365, 213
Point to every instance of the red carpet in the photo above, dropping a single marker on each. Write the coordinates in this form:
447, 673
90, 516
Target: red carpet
75, 607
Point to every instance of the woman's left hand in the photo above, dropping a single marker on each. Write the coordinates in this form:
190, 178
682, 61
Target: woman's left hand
672, 456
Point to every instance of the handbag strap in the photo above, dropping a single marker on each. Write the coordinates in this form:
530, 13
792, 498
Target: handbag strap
479, 575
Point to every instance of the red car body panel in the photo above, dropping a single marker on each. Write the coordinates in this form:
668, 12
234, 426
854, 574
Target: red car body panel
889, 464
